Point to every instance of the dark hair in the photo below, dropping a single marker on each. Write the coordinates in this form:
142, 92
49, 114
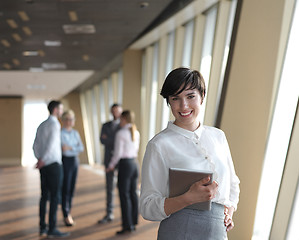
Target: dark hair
52, 105
179, 79
115, 105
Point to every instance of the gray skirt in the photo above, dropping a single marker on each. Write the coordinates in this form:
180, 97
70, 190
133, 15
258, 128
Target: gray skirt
190, 224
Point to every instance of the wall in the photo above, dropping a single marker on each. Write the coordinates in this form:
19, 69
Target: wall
11, 119
132, 62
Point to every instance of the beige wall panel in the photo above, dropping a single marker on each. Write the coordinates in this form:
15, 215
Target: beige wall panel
248, 101
72, 101
11, 122
132, 65
114, 79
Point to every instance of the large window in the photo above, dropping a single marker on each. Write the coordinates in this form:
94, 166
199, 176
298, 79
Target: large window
34, 114
279, 137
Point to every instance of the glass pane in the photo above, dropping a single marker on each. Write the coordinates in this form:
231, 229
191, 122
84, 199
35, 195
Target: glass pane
279, 137
205, 66
189, 28
293, 230
35, 112
169, 66
154, 90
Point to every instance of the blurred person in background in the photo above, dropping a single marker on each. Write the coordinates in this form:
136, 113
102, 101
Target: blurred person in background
47, 150
107, 137
126, 148
71, 147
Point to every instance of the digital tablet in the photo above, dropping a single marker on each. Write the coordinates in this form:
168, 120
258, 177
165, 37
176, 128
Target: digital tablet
180, 180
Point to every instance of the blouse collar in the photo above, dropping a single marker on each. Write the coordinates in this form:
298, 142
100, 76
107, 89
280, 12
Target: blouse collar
186, 133
128, 125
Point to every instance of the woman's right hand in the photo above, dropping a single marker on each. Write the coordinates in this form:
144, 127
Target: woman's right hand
201, 192
198, 192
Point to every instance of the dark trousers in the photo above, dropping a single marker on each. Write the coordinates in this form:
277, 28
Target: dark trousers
51, 179
110, 184
70, 170
127, 185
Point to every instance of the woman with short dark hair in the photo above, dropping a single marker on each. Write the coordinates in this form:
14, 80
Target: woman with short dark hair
188, 144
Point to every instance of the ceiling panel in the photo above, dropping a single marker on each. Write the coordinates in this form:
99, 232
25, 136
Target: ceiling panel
117, 24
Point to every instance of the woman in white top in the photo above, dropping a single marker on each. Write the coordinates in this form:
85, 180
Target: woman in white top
188, 144
125, 152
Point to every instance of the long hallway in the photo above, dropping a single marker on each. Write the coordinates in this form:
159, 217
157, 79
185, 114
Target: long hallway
19, 199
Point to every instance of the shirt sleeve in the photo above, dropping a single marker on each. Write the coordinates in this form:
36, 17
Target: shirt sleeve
118, 149
154, 185
137, 141
79, 145
234, 180
36, 145
108, 140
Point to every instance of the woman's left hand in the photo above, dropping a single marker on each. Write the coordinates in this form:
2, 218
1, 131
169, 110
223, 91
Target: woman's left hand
228, 220
109, 169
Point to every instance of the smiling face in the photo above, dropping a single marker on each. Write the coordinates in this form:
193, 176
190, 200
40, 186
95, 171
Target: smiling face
185, 107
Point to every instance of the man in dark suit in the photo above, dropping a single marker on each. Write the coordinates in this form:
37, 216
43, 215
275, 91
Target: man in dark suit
107, 136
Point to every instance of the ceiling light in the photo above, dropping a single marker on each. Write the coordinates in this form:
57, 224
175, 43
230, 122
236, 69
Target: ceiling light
144, 5
73, 16
27, 31
53, 66
50, 43
5, 43
85, 57
79, 28
36, 69
12, 23
23, 15
36, 86
41, 53
7, 66
16, 37
30, 53
16, 61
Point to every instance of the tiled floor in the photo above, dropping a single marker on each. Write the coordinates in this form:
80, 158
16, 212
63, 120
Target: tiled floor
19, 199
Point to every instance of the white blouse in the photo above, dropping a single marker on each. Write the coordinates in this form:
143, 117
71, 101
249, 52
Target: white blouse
124, 147
204, 149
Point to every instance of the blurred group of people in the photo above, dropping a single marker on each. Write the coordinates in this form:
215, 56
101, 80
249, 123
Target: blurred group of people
57, 150
185, 143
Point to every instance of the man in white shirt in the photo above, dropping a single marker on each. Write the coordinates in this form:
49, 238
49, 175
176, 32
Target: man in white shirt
47, 150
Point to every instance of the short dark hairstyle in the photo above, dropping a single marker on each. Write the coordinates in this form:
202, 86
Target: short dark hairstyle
179, 79
115, 105
52, 105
